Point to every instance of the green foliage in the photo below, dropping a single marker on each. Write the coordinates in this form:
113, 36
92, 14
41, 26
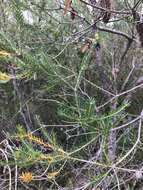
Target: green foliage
70, 100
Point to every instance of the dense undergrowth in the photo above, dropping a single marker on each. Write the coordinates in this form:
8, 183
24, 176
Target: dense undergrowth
70, 96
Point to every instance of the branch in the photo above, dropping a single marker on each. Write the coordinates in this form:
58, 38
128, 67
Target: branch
104, 9
128, 37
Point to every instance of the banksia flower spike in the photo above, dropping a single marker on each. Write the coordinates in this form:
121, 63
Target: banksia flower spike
39, 141
26, 177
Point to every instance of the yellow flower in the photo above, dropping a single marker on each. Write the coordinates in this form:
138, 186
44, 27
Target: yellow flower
52, 175
5, 53
26, 177
47, 158
4, 77
97, 36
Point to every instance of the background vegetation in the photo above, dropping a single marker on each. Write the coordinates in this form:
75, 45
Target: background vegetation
71, 95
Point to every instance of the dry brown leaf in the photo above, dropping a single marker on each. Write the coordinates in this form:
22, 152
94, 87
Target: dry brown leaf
67, 5
85, 47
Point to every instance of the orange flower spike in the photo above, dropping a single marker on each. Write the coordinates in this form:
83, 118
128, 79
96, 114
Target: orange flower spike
28, 135
26, 177
37, 140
